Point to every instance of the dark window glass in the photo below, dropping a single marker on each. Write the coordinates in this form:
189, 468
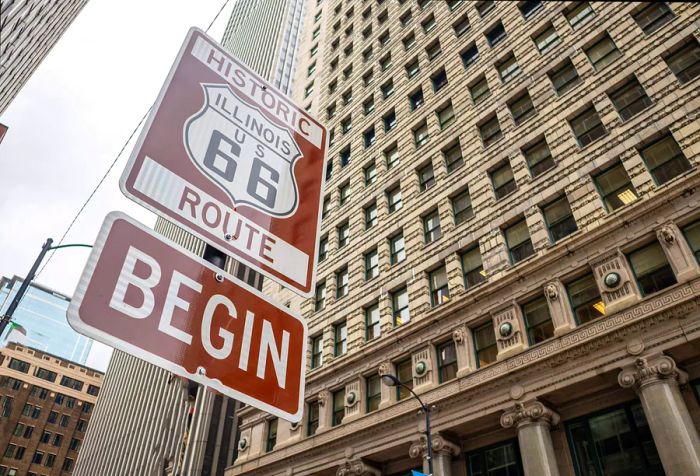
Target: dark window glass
312, 418
394, 199
559, 219
439, 287
462, 207
499, 460
368, 105
404, 373
586, 302
392, 157
602, 53
341, 283
651, 268
652, 16
19, 365
472, 268
664, 159
453, 157
338, 407
412, 68
564, 77
372, 325
345, 156
370, 216
446, 361
539, 158
546, 40
479, 90
320, 297
503, 181
496, 34
371, 264
630, 99
397, 249
431, 227
587, 127
522, 108
343, 234
399, 307
461, 26
538, 322
692, 234
508, 68
579, 14
617, 441
93, 390
485, 345
370, 174
271, 435
323, 249
373, 388
490, 131
470, 56
615, 187
369, 136
344, 194
421, 135
518, 242
439, 80
529, 7
316, 351
340, 338
426, 177
416, 99
685, 61
446, 115
485, 7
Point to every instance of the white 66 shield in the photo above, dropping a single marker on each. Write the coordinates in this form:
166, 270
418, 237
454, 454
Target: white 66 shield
248, 156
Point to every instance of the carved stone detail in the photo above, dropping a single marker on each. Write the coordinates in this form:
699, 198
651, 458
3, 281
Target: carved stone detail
458, 335
357, 467
419, 449
526, 413
551, 291
324, 397
667, 234
650, 370
385, 368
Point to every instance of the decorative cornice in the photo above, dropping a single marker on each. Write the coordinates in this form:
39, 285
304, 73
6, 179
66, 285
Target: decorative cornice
441, 444
527, 413
651, 370
357, 467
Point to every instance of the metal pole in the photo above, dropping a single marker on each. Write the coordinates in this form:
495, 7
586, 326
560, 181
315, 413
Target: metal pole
426, 411
23, 288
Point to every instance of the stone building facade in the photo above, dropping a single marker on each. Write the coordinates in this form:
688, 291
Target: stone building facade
511, 228
45, 407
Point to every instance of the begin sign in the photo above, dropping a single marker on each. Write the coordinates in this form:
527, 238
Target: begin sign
156, 301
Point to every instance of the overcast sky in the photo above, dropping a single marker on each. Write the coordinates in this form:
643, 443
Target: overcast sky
71, 119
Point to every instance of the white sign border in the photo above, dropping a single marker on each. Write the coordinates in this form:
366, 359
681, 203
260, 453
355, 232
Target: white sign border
73, 315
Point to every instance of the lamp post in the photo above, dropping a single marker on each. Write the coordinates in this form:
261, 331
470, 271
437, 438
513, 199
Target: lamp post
5, 320
391, 381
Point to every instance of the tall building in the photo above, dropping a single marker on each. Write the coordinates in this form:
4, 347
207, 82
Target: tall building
42, 314
28, 31
45, 406
511, 229
179, 427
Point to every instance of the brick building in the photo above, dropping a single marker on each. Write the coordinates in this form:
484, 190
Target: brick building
512, 228
45, 405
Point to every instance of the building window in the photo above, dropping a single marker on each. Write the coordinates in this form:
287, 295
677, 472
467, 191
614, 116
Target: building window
384, 38
538, 322
439, 80
371, 264
412, 68
431, 227
81, 425
538, 157
615, 188
453, 157
404, 374
651, 268
446, 115
67, 464
370, 216
479, 90
309, 89
629, 99
396, 248
472, 268
433, 49
53, 417
685, 61
518, 242
64, 420
340, 338
323, 249
428, 24
559, 219
6, 405
503, 458
373, 389
446, 361
317, 351
692, 235
426, 177
496, 34
389, 120
320, 297
368, 105
546, 40
385, 62
529, 8
399, 307
485, 7
387, 89
405, 18
74, 444
392, 156
346, 125
372, 325
343, 234
579, 14
409, 41
345, 156
462, 207
485, 345
653, 16
57, 439
415, 100
370, 173
585, 299
421, 134
368, 77
347, 97
347, 72
664, 159
564, 77
313, 51
439, 287
19, 365
344, 193
602, 53
271, 435
470, 56
508, 68
93, 390
461, 26
341, 283
312, 418
521, 108
338, 407
587, 127
394, 199
617, 441
503, 181
369, 137
490, 131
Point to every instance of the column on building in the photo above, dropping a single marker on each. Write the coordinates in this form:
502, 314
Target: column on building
443, 452
357, 467
680, 256
656, 380
533, 421
559, 310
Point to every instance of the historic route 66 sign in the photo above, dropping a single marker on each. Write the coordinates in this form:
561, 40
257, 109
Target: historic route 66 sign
250, 158
232, 160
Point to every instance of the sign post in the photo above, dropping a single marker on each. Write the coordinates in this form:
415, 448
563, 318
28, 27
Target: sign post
156, 301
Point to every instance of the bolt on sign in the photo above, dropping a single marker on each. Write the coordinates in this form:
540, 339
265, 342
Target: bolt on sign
232, 160
156, 301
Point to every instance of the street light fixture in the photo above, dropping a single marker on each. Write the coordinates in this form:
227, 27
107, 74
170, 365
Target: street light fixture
391, 381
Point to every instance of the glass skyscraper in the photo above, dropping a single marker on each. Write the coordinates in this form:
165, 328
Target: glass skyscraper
42, 313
